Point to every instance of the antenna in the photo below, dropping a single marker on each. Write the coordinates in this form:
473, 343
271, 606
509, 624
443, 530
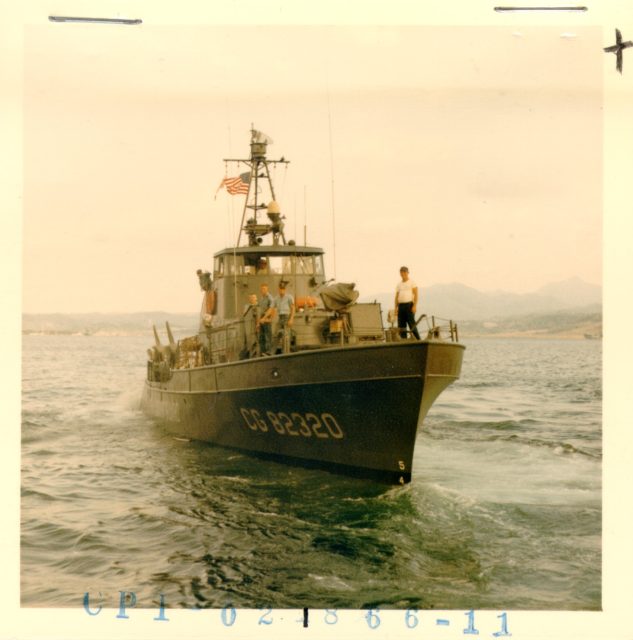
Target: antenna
329, 119
305, 216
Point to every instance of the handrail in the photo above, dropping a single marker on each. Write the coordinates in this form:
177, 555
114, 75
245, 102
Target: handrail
225, 329
436, 330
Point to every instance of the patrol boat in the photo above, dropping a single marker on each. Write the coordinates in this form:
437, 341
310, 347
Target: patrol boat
339, 390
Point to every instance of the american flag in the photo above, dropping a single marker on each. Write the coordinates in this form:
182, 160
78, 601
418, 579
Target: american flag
236, 185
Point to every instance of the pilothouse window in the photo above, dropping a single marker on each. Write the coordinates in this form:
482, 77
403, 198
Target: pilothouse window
229, 264
280, 265
253, 264
225, 266
256, 264
318, 265
305, 265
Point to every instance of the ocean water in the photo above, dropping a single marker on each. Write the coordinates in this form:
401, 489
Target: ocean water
504, 510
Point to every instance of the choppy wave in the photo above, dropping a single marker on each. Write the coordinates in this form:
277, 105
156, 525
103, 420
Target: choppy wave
504, 510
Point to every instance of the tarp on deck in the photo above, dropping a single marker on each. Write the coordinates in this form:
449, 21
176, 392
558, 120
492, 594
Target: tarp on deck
338, 296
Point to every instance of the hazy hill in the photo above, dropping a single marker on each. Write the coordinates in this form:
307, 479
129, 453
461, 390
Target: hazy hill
573, 292
582, 322
459, 302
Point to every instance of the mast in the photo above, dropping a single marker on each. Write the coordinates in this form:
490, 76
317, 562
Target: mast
259, 168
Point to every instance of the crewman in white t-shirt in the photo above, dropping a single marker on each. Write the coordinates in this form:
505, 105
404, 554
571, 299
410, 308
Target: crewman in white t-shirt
406, 303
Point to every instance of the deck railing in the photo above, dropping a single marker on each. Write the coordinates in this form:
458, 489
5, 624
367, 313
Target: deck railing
442, 329
227, 342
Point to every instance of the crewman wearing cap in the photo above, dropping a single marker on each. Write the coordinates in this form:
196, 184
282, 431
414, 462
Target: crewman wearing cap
284, 305
406, 303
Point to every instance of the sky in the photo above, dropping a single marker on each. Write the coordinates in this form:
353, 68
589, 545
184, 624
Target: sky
470, 154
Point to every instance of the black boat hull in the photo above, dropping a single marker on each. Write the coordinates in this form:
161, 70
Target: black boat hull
354, 410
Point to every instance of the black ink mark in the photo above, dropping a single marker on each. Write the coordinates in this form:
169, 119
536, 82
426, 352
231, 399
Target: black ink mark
500, 9
305, 617
618, 48
96, 20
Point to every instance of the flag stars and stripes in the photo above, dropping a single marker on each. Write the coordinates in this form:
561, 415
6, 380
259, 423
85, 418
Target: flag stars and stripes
236, 185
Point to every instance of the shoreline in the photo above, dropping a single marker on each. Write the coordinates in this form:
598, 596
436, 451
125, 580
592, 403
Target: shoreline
530, 336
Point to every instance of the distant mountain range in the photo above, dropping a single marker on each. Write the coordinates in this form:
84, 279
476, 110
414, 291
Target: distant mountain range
459, 302
570, 306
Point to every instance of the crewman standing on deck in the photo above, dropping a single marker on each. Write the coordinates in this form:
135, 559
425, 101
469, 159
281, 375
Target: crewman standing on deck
284, 306
406, 303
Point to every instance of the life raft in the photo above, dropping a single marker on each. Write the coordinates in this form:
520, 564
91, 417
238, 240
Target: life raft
210, 300
306, 302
